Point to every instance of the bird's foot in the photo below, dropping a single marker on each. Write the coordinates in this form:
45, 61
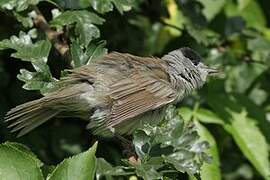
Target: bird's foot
129, 150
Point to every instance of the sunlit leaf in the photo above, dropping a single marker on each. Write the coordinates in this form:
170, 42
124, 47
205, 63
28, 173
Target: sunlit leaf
251, 141
175, 18
207, 116
242, 4
103, 6
17, 162
185, 112
210, 171
250, 11
175, 141
26, 50
244, 131
125, 5
36, 53
211, 8
80, 167
19, 5
26, 21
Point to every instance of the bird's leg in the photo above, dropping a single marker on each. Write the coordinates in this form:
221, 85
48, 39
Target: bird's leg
128, 147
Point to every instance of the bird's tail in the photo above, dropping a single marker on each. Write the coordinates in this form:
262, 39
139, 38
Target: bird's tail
26, 117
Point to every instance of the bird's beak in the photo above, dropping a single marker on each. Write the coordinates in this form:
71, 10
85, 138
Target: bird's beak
212, 72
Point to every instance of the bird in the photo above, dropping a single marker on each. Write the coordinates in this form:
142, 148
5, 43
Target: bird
117, 93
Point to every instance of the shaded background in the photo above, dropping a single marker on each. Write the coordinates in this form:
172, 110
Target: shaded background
234, 107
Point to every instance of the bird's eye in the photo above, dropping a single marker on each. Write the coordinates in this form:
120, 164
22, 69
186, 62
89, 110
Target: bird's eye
195, 61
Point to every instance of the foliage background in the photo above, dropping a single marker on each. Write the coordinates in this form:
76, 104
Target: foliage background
231, 112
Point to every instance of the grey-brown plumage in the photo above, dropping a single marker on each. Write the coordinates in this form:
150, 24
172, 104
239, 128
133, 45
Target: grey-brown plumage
118, 93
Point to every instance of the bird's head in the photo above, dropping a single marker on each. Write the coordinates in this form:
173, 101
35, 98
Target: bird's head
187, 69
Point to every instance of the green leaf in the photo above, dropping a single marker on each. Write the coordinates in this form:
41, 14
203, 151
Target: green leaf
147, 172
37, 81
25, 20
258, 95
18, 5
95, 50
202, 114
27, 51
65, 4
156, 35
182, 161
174, 141
37, 54
124, 5
79, 167
246, 134
103, 6
141, 139
89, 55
202, 35
84, 24
211, 8
207, 116
209, 171
254, 16
242, 4
104, 169
255, 112
251, 142
240, 77
250, 11
17, 162
24, 149
259, 47
176, 18
185, 112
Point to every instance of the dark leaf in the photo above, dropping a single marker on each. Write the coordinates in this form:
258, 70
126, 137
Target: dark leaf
85, 27
83, 56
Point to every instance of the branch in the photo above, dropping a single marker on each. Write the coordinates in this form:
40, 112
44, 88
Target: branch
170, 25
56, 38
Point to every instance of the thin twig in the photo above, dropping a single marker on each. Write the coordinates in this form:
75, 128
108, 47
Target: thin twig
170, 25
56, 38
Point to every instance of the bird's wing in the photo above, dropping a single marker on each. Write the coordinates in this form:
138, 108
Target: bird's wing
136, 85
115, 67
136, 95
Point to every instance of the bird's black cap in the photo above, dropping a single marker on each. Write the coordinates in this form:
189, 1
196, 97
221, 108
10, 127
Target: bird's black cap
191, 54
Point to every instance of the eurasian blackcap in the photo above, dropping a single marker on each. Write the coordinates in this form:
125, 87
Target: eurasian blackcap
118, 93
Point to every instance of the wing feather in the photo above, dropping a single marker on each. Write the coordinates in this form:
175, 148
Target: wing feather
142, 94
